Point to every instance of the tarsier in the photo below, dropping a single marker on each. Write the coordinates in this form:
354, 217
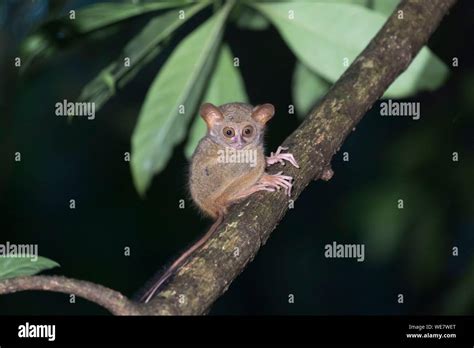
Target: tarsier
215, 184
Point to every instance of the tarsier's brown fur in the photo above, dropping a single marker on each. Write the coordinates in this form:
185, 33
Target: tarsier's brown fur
216, 184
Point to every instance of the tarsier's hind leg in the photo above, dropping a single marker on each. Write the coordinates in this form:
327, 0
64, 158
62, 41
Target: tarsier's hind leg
269, 182
255, 188
273, 182
277, 181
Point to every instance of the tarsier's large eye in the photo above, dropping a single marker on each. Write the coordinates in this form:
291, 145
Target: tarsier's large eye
228, 132
247, 131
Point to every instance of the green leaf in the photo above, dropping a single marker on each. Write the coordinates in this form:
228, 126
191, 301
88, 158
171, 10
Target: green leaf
365, 3
307, 88
250, 19
323, 35
11, 267
177, 87
385, 7
144, 47
100, 15
226, 86
60, 32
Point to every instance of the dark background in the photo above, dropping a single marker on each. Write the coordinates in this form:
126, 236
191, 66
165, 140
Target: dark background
408, 251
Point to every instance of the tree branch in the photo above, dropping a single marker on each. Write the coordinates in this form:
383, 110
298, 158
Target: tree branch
111, 300
248, 225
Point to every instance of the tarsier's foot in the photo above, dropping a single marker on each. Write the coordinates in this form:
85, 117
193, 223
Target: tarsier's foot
279, 157
275, 182
270, 183
255, 188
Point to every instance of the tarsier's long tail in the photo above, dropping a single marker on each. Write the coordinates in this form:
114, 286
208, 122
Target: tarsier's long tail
149, 294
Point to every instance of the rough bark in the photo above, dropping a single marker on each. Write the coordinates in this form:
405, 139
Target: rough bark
208, 274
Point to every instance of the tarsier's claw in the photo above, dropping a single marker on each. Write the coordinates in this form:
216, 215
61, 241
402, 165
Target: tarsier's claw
279, 157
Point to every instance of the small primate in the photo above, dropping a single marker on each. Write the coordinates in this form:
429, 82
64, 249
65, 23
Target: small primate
217, 181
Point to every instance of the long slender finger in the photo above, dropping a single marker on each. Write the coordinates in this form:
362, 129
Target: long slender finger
290, 158
281, 148
266, 188
285, 177
285, 184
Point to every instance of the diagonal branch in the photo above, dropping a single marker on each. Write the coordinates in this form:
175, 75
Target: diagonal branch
208, 274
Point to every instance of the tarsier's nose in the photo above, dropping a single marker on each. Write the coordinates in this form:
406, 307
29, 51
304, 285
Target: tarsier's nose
238, 142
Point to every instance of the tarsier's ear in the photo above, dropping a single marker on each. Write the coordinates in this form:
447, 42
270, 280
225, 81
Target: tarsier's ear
211, 114
262, 113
